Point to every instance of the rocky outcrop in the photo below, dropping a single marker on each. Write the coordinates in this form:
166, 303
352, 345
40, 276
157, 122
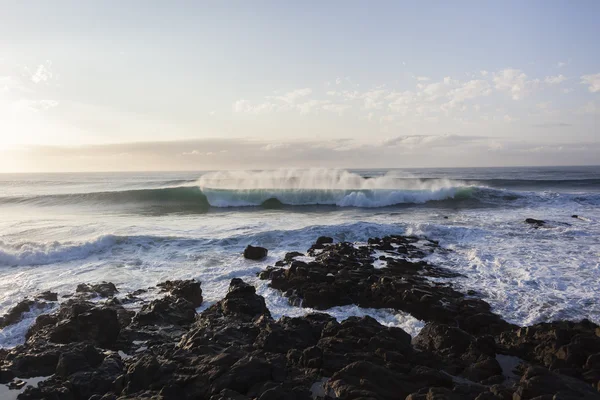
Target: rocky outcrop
235, 350
343, 274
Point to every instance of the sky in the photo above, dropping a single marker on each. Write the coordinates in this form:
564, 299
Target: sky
197, 85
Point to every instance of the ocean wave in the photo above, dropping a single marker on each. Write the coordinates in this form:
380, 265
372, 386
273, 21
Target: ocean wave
34, 253
324, 187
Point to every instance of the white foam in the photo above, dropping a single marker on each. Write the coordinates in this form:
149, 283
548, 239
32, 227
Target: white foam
36, 253
279, 306
320, 186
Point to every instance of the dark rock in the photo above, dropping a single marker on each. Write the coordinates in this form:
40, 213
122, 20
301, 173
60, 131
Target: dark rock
77, 321
189, 290
104, 289
343, 274
534, 221
560, 346
255, 253
324, 240
16, 313
48, 296
168, 310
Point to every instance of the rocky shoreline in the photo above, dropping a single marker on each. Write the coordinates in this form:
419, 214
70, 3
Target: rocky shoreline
100, 343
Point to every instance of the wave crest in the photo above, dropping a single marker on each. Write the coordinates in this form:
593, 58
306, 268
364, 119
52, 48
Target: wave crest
32, 253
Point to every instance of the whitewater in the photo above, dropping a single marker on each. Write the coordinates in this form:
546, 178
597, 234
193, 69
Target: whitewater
138, 229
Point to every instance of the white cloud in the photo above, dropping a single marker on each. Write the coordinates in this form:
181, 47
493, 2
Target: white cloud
593, 81
337, 108
294, 95
308, 106
423, 78
555, 80
561, 64
276, 146
513, 81
244, 106
469, 90
43, 73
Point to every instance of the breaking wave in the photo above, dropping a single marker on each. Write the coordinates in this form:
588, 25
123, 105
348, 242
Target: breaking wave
280, 188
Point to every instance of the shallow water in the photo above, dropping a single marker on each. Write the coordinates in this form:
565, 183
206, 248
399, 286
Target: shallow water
58, 230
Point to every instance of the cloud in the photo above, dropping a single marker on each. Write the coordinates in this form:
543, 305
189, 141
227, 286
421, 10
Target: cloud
311, 105
423, 78
337, 108
294, 95
513, 81
469, 90
244, 106
593, 81
555, 80
34, 105
43, 73
245, 153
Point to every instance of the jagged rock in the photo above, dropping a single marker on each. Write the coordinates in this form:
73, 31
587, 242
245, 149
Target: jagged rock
16, 313
48, 296
104, 289
168, 310
559, 346
78, 321
344, 274
189, 290
255, 253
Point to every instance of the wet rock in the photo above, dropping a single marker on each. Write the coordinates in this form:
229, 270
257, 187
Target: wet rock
78, 358
187, 289
324, 240
77, 321
16, 314
169, 310
52, 388
366, 380
559, 346
533, 221
48, 296
255, 253
104, 289
344, 274
539, 382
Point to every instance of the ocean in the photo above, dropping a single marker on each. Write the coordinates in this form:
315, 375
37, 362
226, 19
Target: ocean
138, 229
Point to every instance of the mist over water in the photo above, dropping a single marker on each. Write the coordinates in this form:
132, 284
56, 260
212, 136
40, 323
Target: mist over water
59, 230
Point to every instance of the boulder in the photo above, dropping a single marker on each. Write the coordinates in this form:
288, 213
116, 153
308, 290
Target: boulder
255, 253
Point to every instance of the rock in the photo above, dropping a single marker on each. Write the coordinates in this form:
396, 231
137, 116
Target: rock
78, 358
48, 296
255, 253
533, 221
189, 290
241, 300
344, 274
77, 321
324, 240
16, 313
104, 289
168, 310
560, 346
